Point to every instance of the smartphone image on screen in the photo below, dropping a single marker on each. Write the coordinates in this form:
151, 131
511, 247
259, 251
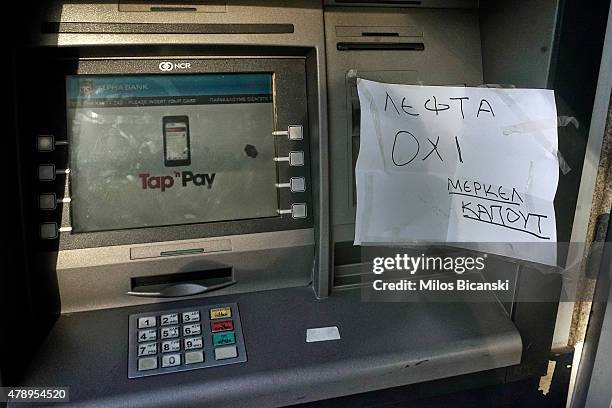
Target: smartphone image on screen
177, 149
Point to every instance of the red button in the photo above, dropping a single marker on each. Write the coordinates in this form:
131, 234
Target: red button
222, 325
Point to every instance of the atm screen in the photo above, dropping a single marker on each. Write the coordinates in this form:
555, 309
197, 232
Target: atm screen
155, 150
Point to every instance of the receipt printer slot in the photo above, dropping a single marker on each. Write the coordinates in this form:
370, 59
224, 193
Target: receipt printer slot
191, 248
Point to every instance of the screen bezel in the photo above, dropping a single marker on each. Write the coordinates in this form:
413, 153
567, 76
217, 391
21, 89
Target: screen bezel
290, 107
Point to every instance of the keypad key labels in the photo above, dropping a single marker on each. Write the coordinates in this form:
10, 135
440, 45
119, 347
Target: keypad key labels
169, 332
192, 329
147, 335
146, 322
169, 319
170, 346
171, 360
147, 349
189, 317
193, 343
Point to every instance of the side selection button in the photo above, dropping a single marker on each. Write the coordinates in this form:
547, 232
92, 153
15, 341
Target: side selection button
47, 201
45, 143
296, 158
48, 230
297, 184
298, 210
46, 172
296, 132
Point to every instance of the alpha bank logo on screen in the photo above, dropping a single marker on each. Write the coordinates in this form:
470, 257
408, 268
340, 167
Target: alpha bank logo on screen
86, 88
167, 66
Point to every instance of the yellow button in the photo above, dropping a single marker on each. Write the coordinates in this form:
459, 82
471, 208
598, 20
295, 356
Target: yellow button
220, 312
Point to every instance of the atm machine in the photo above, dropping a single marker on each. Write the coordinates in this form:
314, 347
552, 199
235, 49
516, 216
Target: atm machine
184, 203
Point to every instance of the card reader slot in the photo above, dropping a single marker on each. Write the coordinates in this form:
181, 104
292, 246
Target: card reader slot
379, 34
172, 9
181, 284
380, 46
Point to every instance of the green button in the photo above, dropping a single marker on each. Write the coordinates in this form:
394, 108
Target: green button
221, 339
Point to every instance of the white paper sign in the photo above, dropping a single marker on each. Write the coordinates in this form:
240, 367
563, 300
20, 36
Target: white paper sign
458, 164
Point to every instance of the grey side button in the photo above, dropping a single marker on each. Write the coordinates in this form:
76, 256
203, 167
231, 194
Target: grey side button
45, 143
298, 210
147, 363
193, 357
48, 230
47, 201
296, 132
297, 184
46, 172
221, 353
296, 158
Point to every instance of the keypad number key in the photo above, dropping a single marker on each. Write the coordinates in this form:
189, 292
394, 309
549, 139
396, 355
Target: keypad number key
146, 322
193, 316
170, 346
192, 343
171, 360
169, 332
147, 349
192, 329
169, 319
147, 335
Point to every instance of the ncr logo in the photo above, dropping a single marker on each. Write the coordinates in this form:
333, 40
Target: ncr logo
167, 66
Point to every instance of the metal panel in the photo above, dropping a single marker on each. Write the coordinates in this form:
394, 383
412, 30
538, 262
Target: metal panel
389, 344
517, 41
451, 56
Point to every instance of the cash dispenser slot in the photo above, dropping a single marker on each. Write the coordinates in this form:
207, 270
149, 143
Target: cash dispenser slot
181, 284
